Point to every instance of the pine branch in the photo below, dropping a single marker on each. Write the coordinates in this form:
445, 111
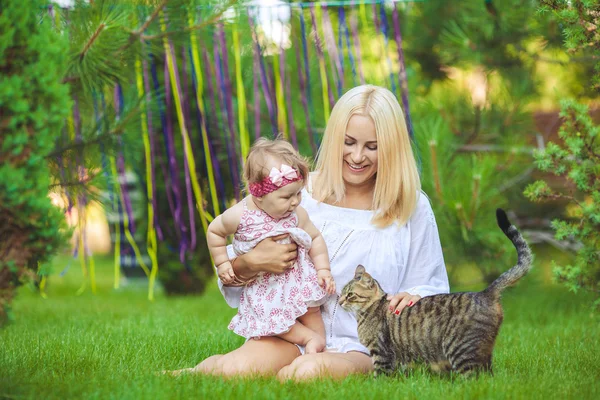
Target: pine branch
91, 41
204, 24
140, 31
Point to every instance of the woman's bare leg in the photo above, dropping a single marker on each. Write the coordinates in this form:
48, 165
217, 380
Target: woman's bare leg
313, 320
321, 365
304, 336
255, 357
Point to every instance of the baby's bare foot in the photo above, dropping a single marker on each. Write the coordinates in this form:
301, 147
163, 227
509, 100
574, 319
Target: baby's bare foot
315, 344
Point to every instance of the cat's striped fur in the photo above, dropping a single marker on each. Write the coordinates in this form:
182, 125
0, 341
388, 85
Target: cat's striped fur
453, 331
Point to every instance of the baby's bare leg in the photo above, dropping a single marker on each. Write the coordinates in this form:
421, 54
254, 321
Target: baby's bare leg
300, 334
313, 320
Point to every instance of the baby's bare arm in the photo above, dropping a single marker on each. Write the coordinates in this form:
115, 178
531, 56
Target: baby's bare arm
224, 225
318, 251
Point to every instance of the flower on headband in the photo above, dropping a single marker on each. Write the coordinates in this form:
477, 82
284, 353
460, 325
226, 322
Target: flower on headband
286, 172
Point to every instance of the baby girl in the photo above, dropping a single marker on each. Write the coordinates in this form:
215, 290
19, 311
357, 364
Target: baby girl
285, 305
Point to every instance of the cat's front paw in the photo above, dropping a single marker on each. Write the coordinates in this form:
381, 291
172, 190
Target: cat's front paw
382, 372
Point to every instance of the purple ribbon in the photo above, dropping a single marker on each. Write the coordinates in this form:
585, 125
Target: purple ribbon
303, 90
152, 146
172, 159
222, 92
354, 27
186, 168
402, 71
118, 99
384, 31
319, 47
332, 51
267, 90
211, 96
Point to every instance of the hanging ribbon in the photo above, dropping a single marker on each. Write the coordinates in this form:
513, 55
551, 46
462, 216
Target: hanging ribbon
199, 88
126, 229
228, 100
402, 71
279, 72
220, 132
148, 92
344, 32
241, 95
229, 139
380, 39
111, 196
263, 77
186, 170
256, 93
118, 170
170, 176
336, 66
354, 27
173, 165
303, 90
74, 126
314, 12
151, 242
186, 140
118, 101
384, 31
307, 96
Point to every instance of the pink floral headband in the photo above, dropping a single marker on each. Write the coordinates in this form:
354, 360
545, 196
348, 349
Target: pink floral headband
276, 179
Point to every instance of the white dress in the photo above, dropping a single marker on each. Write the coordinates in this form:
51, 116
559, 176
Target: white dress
405, 258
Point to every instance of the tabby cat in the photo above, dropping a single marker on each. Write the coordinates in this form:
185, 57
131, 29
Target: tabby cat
453, 331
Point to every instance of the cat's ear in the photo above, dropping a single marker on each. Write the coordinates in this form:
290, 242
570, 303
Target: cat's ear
367, 280
360, 270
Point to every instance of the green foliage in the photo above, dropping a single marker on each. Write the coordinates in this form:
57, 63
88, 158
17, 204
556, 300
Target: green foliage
581, 28
465, 189
577, 159
33, 107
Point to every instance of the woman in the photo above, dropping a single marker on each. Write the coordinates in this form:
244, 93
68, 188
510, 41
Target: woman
365, 198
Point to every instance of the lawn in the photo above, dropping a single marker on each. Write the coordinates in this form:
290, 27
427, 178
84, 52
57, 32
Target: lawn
110, 345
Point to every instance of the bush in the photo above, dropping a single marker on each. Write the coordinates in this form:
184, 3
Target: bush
33, 107
578, 160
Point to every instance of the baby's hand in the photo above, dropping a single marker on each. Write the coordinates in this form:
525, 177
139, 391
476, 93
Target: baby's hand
326, 280
225, 272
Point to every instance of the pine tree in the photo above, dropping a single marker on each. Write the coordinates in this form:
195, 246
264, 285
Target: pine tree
577, 157
33, 106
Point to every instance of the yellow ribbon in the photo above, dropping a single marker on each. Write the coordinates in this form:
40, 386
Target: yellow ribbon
151, 234
186, 140
199, 92
322, 70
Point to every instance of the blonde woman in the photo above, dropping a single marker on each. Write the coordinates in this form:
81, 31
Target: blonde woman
365, 197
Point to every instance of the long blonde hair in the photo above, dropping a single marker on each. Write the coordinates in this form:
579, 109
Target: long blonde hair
397, 183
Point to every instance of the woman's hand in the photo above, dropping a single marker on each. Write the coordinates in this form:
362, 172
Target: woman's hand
270, 256
401, 300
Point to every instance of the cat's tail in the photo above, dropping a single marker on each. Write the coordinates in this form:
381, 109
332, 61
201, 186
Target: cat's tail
525, 257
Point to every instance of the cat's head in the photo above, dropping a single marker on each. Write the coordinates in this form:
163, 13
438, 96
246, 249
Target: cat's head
360, 292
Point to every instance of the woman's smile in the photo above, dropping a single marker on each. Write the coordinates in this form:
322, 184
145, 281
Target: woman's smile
357, 168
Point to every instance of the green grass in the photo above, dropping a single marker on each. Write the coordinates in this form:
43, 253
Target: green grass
110, 345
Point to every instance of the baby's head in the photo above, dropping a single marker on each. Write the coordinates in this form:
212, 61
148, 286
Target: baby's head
275, 174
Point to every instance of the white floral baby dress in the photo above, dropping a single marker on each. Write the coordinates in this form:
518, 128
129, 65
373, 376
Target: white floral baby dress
271, 303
